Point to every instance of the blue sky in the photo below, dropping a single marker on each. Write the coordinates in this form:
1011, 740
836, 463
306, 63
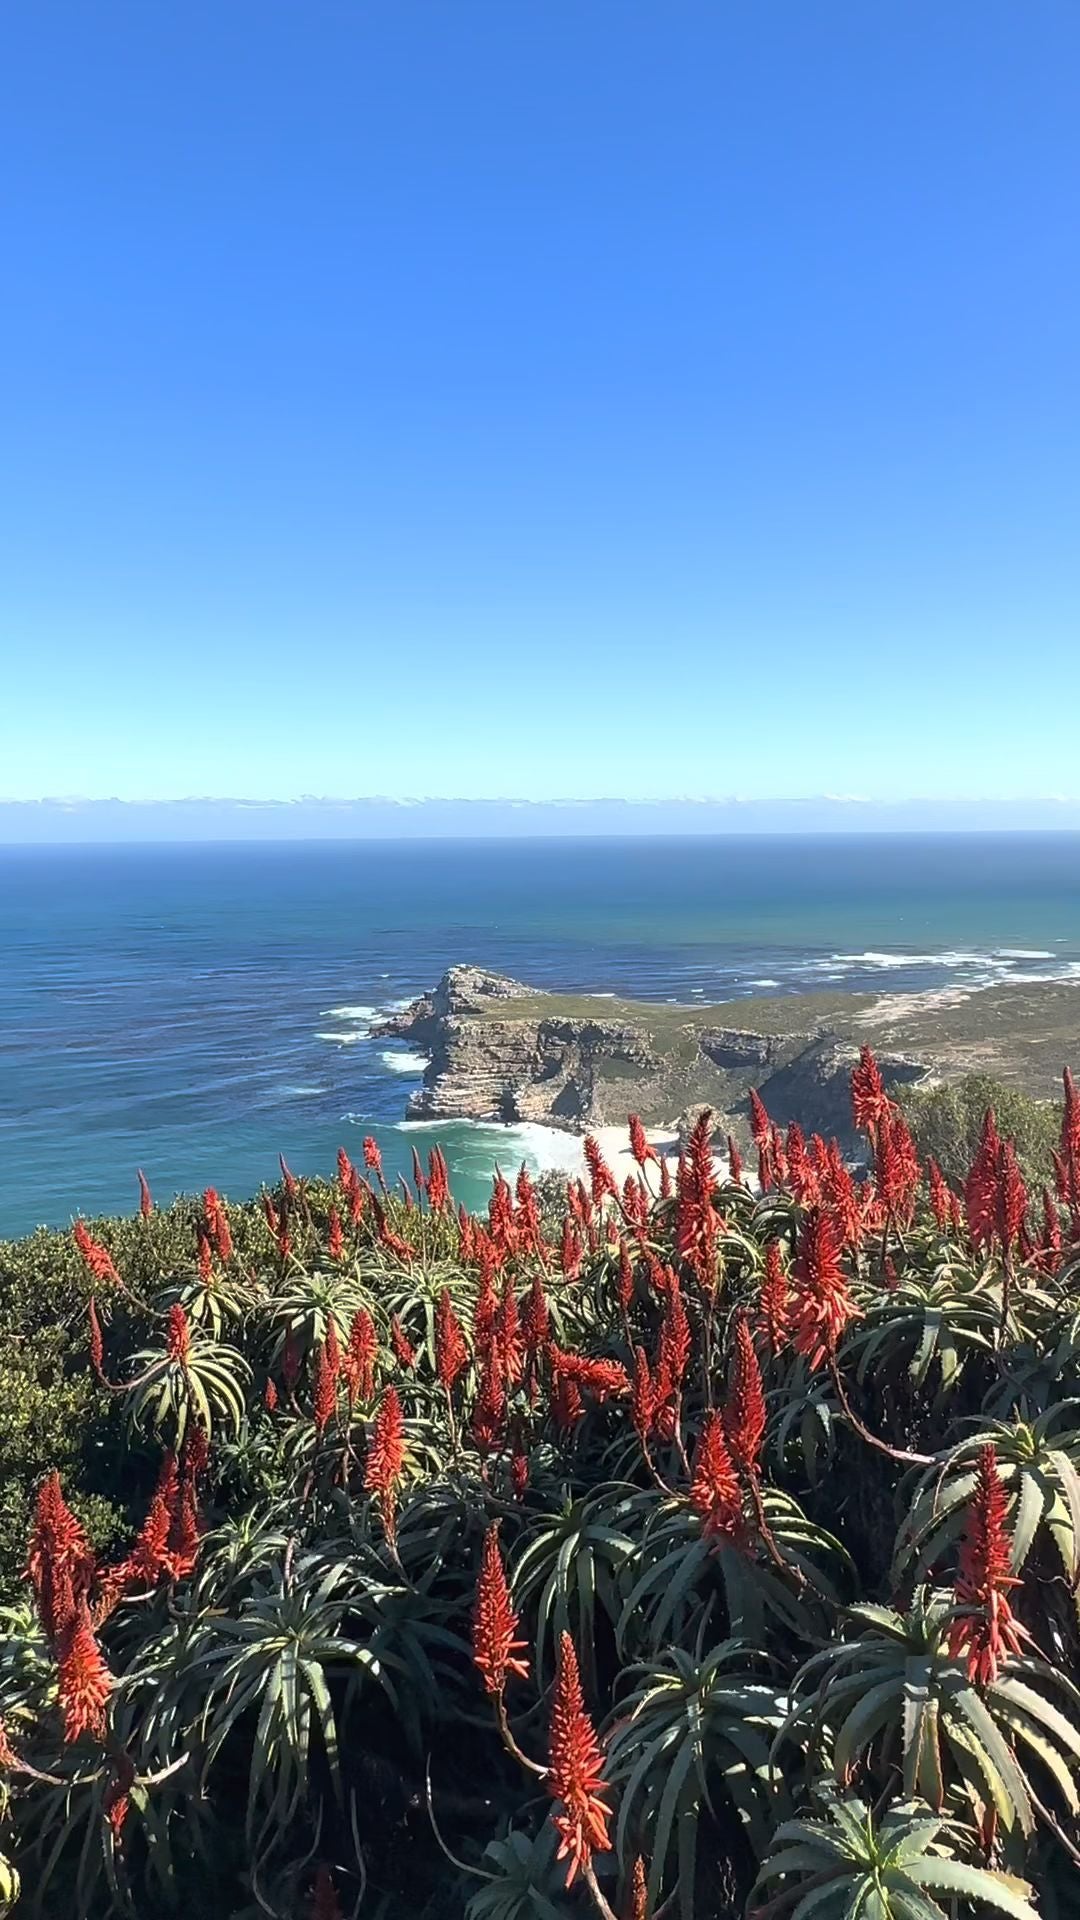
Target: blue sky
542, 399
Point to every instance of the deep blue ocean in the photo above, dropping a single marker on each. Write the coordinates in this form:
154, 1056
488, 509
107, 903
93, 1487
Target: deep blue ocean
194, 1010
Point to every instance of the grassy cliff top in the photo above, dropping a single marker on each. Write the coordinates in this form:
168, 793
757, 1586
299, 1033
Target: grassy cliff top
1022, 1034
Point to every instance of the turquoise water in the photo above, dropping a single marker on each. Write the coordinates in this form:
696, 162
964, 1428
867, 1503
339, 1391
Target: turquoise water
194, 1010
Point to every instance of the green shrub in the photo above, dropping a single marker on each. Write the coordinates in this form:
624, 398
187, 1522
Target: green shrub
946, 1122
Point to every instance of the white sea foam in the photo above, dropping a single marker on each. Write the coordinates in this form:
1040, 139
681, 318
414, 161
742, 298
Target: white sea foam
349, 1013
413, 1063
763, 983
302, 1093
397, 1006
1023, 953
344, 1038
888, 961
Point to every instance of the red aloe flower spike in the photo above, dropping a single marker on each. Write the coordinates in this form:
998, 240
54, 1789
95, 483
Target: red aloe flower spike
536, 1319
868, 1097
773, 1304
333, 1346
146, 1198
642, 1397
373, 1159
802, 1175
735, 1174
196, 1451
841, 1197
451, 1353
217, 1224
59, 1560
601, 1179
502, 1225
823, 1303
640, 1147
335, 1243
184, 1535
570, 1253
715, 1495
83, 1680
1070, 1126
1011, 1198
980, 1187
97, 1343
386, 1457
487, 1300
358, 1364
986, 1631
438, 1181
1050, 1243
604, 1378
495, 1650
567, 1406
760, 1124
178, 1335
744, 1415
98, 1259
939, 1195
665, 1178
675, 1333
148, 1558
391, 1240
508, 1343
325, 1393
575, 1778
206, 1259
528, 1212
489, 1413
404, 1351
519, 1472
116, 1799
270, 1396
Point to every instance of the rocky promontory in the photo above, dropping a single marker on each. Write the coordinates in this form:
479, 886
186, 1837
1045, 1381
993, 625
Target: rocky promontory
499, 1050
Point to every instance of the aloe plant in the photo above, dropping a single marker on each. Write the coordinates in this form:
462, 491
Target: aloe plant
890, 1697
896, 1868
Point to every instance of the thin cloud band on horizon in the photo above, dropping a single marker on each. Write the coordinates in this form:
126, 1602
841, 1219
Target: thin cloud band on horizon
74, 820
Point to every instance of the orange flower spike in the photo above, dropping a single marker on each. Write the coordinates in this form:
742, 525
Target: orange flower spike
575, 1779
83, 1681
495, 1650
986, 1630
744, 1415
98, 1259
715, 1495
451, 1353
178, 1335
325, 1393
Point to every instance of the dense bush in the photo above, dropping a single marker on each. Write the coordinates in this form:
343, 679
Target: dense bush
946, 1122
714, 1546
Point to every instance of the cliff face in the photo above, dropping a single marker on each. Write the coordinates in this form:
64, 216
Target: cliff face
500, 1051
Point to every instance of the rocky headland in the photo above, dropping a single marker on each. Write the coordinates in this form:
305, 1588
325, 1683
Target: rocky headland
498, 1050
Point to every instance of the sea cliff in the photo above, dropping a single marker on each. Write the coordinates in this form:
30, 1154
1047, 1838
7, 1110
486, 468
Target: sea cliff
499, 1050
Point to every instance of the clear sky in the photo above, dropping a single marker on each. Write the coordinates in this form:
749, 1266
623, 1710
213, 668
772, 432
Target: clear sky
543, 397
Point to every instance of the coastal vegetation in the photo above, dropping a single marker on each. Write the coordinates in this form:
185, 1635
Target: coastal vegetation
699, 1545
